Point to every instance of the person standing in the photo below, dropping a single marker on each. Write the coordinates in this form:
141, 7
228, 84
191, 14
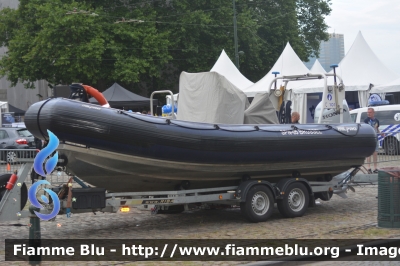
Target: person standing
373, 122
295, 117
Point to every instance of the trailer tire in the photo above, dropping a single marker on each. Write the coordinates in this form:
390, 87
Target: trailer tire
295, 201
259, 204
24, 190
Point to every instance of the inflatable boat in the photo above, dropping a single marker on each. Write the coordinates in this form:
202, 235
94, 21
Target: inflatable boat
124, 151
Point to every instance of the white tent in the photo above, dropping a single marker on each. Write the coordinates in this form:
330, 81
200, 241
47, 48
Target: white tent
226, 68
317, 68
288, 63
358, 69
393, 86
361, 66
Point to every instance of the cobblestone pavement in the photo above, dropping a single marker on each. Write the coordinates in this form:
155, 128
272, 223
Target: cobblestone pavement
353, 218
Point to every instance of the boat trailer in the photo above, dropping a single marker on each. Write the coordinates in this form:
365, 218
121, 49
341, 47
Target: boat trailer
256, 198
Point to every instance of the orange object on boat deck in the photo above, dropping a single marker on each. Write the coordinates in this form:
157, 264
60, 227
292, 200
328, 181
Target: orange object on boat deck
97, 95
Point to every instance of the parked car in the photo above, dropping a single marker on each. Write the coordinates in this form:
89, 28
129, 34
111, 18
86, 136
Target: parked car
389, 119
15, 138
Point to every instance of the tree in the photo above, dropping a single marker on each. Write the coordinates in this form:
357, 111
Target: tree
312, 25
67, 41
299, 22
199, 30
154, 41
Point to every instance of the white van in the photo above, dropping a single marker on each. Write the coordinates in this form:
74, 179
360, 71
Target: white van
389, 119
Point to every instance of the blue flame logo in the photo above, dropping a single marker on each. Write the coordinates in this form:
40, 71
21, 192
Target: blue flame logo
32, 197
49, 166
44, 153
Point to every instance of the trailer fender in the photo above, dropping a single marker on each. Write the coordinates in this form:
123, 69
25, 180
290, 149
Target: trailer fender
282, 185
244, 187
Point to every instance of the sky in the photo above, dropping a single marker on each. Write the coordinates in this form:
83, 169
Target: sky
378, 21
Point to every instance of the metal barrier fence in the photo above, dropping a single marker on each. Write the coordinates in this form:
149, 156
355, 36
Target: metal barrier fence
388, 155
13, 159
389, 151
389, 141
383, 160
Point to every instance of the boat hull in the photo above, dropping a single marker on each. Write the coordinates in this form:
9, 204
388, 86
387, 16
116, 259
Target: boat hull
122, 151
123, 173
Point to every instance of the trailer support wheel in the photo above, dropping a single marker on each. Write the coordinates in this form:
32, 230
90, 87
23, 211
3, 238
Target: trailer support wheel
295, 201
259, 204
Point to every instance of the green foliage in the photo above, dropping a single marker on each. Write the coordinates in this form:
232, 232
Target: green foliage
66, 41
311, 24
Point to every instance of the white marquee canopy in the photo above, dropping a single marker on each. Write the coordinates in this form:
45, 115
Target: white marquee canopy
287, 64
358, 69
393, 86
225, 67
317, 68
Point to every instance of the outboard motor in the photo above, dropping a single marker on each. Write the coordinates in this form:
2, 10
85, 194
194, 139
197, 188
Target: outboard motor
78, 93
331, 116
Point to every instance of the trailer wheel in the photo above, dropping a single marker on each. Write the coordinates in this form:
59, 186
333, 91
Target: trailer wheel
295, 201
259, 204
24, 190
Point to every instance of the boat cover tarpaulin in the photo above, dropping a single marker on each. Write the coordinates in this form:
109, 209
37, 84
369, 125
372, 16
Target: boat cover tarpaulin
210, 98
261, 111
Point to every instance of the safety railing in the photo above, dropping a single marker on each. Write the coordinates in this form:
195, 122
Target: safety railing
11, 159
388, 154
20, 162
389, 143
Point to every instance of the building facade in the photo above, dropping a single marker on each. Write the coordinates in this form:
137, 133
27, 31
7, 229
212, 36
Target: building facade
330, 52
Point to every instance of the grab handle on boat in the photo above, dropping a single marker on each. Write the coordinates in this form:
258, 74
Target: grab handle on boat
159, 92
